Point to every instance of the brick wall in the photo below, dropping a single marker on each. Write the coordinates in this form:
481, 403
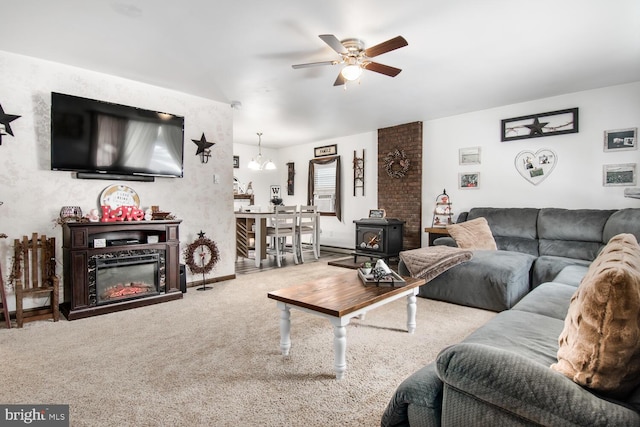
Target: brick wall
402, 197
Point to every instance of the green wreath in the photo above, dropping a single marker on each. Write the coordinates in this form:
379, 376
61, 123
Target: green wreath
197, 264
396, 164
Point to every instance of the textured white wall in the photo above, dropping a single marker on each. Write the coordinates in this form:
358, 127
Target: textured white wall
33, 194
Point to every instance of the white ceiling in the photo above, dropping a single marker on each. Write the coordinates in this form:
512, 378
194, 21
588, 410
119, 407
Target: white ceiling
463, 55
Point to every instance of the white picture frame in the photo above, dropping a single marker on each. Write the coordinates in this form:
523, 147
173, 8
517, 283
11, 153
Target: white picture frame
621, 139
469, 180
469, 156
619, 175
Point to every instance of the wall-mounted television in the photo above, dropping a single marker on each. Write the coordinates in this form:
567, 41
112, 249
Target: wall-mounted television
102, 140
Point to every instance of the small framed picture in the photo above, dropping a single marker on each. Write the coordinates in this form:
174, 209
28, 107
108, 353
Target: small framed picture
236, 162
469, 156
327, 150
620, 175
275, 192
377, 213
469, 180
621, 139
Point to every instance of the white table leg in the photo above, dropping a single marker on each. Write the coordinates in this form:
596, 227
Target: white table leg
340, 350
411, 312
285, 328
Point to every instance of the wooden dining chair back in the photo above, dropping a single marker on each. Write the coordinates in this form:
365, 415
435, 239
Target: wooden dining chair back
283, 225
308, 225
33, 276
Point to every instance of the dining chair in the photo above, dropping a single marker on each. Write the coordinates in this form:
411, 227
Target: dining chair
308, 225
283, 225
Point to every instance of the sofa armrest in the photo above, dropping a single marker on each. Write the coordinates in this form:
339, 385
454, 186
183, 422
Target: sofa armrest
513, 384
423, 391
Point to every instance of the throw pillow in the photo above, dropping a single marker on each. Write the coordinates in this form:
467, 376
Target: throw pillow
599, 347
473, 234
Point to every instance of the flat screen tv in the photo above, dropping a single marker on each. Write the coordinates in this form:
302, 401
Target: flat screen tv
101, 140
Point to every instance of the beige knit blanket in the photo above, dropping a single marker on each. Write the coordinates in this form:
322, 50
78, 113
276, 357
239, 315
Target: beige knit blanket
429, 262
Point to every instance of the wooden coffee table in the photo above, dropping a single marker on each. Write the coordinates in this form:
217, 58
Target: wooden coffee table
340, 298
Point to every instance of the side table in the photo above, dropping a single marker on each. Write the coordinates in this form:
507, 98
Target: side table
435, 232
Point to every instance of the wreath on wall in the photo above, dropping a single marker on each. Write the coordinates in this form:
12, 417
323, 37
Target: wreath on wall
396, 164
201, 255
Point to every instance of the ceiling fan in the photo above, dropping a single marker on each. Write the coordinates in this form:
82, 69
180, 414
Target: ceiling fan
356, 58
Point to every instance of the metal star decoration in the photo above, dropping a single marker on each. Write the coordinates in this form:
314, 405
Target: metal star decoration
536, 127
202, 144
201, 234
5, 120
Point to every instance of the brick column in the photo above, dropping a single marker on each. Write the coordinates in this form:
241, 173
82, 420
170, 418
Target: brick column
402, 197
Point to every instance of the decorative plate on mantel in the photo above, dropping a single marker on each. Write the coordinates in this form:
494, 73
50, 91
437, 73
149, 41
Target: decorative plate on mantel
119, 195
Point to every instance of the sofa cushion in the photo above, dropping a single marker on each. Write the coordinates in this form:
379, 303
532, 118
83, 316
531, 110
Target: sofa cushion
622, 221
473, 234
600, 342
547, 267
571, 233
550, 299
493, 280
572, 275
514, 229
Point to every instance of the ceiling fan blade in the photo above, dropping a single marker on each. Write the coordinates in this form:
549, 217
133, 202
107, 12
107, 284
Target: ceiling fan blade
340, 80
384, 47
334, 43
382, 69
314, 64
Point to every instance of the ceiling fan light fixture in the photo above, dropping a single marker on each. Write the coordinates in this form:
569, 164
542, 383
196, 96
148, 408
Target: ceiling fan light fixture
351, 72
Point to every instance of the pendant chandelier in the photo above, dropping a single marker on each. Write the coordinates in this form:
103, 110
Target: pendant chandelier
258, 164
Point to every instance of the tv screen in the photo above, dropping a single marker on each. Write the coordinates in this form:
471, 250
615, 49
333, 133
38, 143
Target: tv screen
104, 138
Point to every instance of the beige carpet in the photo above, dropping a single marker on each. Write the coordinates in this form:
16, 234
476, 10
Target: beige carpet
213, 359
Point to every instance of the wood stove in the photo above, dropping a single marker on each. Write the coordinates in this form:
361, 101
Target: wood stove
378, 238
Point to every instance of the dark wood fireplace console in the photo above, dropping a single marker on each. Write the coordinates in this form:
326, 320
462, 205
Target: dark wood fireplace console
84, 242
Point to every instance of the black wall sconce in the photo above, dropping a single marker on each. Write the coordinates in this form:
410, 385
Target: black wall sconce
203, 148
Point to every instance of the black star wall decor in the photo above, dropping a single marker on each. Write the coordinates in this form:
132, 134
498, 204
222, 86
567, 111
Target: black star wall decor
5, 120
543, 124
203, 148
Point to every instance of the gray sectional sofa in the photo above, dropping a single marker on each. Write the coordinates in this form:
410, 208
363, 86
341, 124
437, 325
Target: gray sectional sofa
534, 245
500, 375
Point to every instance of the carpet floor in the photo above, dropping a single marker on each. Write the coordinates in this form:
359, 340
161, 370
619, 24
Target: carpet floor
213, 359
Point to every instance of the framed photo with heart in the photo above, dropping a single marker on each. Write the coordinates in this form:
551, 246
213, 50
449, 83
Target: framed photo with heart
535, 167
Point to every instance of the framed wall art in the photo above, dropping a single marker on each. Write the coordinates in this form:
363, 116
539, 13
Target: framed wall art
469, 180
621, 139
469, 156
535, 167
620, 175
327, 150
537, 125
236, 162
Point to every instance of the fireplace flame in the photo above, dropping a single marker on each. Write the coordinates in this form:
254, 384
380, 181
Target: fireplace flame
121, 290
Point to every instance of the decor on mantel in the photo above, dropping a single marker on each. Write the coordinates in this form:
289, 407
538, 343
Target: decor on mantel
536, 167
543, 124
5, 123
396, 164
258, 164
358, 172
203, 148
201, 256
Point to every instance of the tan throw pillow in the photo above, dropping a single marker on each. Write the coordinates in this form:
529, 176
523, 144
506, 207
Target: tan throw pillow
473, 234
599, 347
